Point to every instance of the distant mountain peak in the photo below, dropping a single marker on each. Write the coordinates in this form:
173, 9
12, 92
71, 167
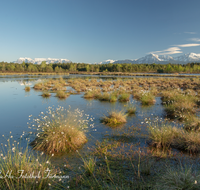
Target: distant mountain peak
39, 60
163, 59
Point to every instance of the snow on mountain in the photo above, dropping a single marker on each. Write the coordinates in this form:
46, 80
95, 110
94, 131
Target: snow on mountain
190, 57
39, 60
150, 58
24, 59
162, 59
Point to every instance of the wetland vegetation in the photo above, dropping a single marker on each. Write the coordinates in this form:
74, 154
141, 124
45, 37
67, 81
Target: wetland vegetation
148, 138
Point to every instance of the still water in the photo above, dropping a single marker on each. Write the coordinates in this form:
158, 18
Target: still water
17, 105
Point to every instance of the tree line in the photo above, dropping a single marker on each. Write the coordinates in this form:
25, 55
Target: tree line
110, 67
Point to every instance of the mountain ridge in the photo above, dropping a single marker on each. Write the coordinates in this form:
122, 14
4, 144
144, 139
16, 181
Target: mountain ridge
149, 59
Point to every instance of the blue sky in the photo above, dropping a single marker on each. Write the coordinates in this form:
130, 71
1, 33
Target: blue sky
96, 30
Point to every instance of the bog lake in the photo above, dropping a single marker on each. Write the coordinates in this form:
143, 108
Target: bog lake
17, 105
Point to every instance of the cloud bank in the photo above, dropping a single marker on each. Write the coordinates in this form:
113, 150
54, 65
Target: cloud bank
175, 49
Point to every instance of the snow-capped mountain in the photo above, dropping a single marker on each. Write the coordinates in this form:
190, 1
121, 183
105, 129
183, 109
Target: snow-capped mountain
150, 58
190, 57
39, 60
153, 58
163, 59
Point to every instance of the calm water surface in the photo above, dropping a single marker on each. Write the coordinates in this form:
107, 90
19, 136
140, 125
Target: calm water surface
17, 105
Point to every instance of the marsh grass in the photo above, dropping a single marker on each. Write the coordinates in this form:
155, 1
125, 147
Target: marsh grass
113, 97
60, 131
46, 94
131, 109
178, 104
104, 97
181, 178
62, 94
116, 169
165, 136
16, 163
124, 97
147, 98
115, 118
38, 86
89, 165
89, 94
27, 88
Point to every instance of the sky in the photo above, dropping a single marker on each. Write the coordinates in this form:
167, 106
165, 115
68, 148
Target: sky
91, 31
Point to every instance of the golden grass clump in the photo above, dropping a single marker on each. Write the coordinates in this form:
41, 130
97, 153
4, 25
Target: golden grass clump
131, 109
61, 94
165, 136
124, 97
60, 131
27, 88
162, 136
46, 94
38, 86
114, 118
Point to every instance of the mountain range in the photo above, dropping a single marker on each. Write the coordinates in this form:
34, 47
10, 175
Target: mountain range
162, 59
150, 58
39, 60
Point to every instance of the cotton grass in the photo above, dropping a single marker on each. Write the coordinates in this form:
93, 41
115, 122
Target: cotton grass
60, 130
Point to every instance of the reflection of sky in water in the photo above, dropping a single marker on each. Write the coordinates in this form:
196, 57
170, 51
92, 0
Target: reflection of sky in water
17, 105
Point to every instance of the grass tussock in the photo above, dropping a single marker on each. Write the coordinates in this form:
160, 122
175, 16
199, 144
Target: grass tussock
59, 132
46, 94
178, 104
38, 86
124, 97
113, 97
27, 88
181, 178
147, 99
163, 136
104, 97
62, 94
131, 109
114, 118
166, 136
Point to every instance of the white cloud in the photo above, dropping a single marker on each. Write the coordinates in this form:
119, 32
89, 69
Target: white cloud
175, 49
195, 39
190, 32
172, 50
188, 45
